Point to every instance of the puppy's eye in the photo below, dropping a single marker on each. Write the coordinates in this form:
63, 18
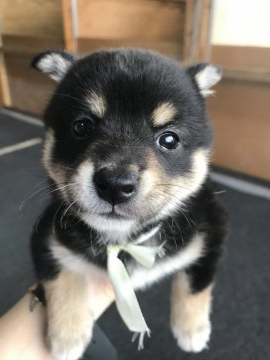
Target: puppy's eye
168, 140
83, 127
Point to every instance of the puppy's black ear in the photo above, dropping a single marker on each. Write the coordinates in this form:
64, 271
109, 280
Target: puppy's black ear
53, 63
205, 75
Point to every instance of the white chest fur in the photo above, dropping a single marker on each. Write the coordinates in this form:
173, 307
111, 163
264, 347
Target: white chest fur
141, 277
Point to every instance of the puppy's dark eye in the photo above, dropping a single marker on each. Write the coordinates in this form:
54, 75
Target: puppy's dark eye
83, 127
168, 140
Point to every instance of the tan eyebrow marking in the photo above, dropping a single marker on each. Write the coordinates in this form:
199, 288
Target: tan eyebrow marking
97, 103
163, 114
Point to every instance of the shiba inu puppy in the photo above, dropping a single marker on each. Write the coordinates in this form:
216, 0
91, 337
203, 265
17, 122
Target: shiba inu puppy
127, 150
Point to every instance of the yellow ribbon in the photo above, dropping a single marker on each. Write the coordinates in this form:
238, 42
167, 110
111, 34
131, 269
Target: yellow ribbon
125, 298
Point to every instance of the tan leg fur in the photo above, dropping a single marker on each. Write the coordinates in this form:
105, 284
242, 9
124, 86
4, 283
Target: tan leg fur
190, 314
70, 319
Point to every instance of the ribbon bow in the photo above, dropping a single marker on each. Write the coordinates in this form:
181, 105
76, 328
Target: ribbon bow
125, 298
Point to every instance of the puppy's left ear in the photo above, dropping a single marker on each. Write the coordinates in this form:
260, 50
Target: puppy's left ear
54, 63
205, 75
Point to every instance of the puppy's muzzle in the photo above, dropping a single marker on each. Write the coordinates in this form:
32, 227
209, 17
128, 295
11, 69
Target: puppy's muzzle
115, 186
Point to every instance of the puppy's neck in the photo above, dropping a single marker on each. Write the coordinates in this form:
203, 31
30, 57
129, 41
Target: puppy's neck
118, 231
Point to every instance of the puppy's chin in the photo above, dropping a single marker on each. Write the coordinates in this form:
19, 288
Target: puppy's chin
114, 228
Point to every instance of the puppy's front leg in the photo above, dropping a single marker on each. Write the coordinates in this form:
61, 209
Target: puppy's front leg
70, 319
190, 312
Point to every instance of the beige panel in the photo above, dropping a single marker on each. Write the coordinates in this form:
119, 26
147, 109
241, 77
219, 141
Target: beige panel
240, 112
69, 36
29, 26
261, 75
30, 90
188, 30
241, 57
14, 44
32, 17
5, 99
203, 42
197, 30
172, 49
111, 19
34, 25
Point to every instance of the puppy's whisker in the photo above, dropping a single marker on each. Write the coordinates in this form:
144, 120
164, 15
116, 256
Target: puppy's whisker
170, 197
180, 210
55, 215
39, 191
178, 228
65, 213
172, 232
174, 185
37, 224
158, 196
61, 187
185, 216
33, 195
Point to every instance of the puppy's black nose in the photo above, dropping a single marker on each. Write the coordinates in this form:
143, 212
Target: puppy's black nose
115, 186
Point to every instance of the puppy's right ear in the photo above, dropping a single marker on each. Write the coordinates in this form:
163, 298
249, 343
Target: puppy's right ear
54, 63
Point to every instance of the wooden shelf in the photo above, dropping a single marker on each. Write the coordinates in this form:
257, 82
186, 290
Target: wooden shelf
258, 75
177, 28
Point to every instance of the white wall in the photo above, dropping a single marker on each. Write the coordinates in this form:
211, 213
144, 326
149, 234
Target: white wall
241, 22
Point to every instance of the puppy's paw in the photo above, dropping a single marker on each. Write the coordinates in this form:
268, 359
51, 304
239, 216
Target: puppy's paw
63, 349
69, 342
67, 346
192, 339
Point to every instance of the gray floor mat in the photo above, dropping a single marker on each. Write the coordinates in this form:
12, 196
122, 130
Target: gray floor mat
241, 310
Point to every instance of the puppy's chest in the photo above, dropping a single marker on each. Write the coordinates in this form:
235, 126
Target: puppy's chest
167, 265
141, 277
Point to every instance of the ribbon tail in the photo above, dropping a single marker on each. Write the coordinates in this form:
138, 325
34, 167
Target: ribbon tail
141, 336
126, 301
161, 251
125, 298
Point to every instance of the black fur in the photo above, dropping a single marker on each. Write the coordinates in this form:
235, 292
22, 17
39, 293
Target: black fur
133, 84
203, 213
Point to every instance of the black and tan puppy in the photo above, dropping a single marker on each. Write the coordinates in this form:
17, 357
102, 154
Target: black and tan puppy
127, 150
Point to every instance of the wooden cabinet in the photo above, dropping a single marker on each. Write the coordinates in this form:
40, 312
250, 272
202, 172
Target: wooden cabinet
28, 27
240, 110
177, 28
174, 27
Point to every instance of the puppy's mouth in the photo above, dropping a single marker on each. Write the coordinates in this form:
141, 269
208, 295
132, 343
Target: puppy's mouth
114, 214
111, 221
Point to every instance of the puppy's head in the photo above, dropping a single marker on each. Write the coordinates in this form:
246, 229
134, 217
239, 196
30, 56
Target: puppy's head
127, 135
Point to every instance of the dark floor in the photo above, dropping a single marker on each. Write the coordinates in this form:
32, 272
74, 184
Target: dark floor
241, 309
